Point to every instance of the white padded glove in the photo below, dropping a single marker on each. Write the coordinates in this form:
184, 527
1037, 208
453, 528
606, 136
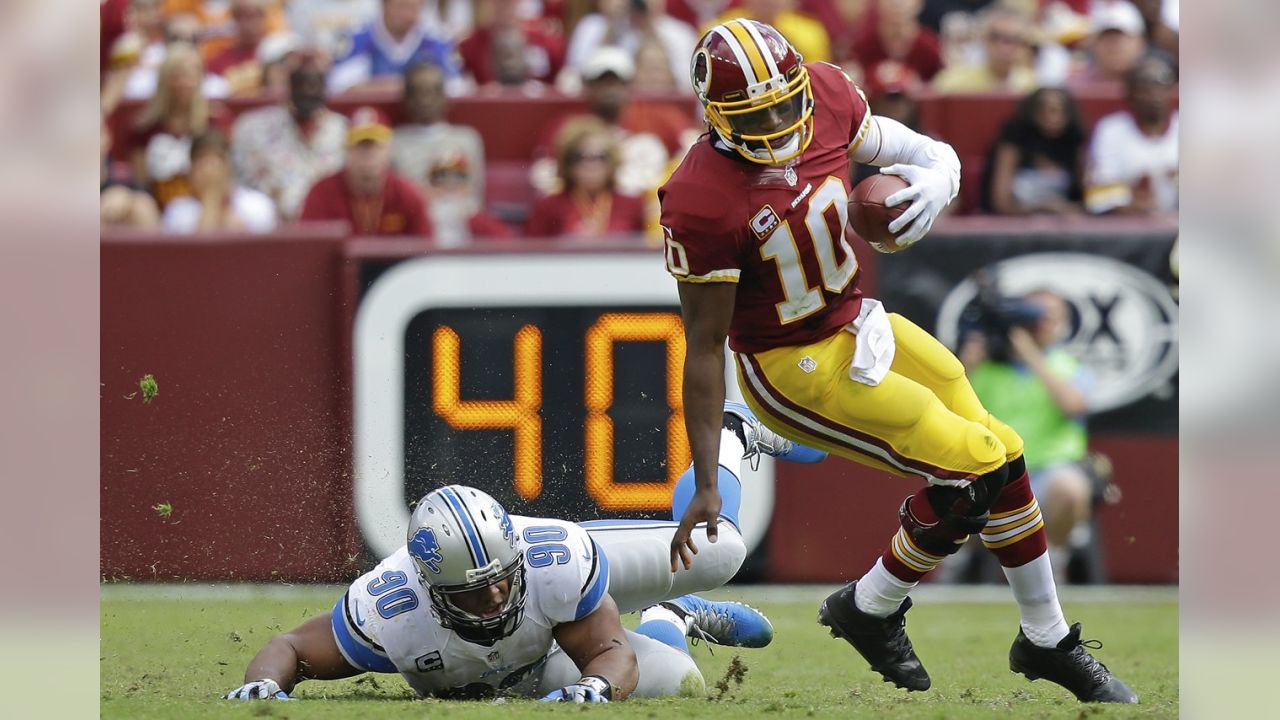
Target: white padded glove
930, 191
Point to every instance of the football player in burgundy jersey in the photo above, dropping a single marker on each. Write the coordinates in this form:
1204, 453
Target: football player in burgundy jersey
754, 223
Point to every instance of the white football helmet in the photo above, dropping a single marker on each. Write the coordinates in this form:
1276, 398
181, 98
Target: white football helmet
461, 540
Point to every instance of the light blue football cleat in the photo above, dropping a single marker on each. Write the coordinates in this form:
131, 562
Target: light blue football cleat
761, 439
723, 623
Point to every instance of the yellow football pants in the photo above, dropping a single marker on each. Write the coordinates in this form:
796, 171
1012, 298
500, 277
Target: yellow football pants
923, 420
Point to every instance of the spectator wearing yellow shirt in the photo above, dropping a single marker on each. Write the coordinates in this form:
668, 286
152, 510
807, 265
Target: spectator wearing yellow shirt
806, 33
1006, 61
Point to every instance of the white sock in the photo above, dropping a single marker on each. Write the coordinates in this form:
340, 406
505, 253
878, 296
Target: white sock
1037, 597
657, 612
879, 593
731, 451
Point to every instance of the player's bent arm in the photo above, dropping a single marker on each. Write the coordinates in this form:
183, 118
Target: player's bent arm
307, 652
889, 142
930, 167
598, 645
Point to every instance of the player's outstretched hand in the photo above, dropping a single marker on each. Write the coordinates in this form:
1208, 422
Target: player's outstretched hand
576, 694
265, 689
703, 508
929, 193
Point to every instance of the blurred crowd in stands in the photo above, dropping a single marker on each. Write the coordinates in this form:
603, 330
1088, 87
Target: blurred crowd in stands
252, 114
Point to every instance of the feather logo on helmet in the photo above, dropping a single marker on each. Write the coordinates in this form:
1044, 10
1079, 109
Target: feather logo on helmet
701, 72
426, 550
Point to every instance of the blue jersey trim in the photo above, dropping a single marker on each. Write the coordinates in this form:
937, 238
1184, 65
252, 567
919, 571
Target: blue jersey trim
360, 656
595, 594
468, 528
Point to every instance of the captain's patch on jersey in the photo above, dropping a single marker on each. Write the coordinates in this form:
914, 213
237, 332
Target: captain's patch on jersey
429, 662
764, 221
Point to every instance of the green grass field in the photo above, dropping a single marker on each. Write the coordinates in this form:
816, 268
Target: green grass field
166, 657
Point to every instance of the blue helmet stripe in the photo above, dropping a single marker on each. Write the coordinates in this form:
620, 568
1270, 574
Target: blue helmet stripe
468, 528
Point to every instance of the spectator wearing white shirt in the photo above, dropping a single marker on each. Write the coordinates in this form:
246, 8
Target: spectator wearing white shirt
1133, 157
216, 202
425, 137
283, 149
626, 24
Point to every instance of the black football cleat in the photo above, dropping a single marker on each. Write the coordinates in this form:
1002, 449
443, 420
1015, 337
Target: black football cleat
1071, 666
883, 642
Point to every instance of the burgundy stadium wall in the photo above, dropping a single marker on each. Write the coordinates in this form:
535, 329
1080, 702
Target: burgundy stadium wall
249, 440
814, 539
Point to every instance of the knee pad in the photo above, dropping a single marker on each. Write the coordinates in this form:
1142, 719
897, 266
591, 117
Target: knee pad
950, 513
1012, 441
664, 670
985, 447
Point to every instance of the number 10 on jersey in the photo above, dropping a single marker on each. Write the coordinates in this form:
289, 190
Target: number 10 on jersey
800, 298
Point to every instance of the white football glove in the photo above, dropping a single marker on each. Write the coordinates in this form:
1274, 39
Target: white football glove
929, 193
265, 689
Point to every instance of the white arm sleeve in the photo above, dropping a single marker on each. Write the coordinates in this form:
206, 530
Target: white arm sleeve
1108, 177
889, 142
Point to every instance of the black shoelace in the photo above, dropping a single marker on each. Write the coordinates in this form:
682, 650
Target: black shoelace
1097, 671
898, 634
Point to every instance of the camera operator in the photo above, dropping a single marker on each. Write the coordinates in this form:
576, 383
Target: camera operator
1020, 374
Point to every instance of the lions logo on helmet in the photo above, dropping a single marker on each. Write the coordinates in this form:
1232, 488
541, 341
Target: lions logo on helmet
504, 522
425, 550
462, 540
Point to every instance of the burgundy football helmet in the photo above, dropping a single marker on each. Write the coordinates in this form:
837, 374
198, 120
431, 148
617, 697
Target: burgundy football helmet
754, 90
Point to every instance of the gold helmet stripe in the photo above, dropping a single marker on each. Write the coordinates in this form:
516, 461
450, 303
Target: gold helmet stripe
739, 53
771, 64
753, 51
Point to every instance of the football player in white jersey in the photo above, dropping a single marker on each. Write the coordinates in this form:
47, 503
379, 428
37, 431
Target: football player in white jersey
479, 602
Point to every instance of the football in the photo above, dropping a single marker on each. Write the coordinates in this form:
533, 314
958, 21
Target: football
868, 214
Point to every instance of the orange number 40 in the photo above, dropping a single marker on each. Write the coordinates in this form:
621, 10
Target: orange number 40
521, 415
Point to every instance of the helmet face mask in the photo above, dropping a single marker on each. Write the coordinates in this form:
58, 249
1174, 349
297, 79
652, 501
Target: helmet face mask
755, 91
463, 544
477, 628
